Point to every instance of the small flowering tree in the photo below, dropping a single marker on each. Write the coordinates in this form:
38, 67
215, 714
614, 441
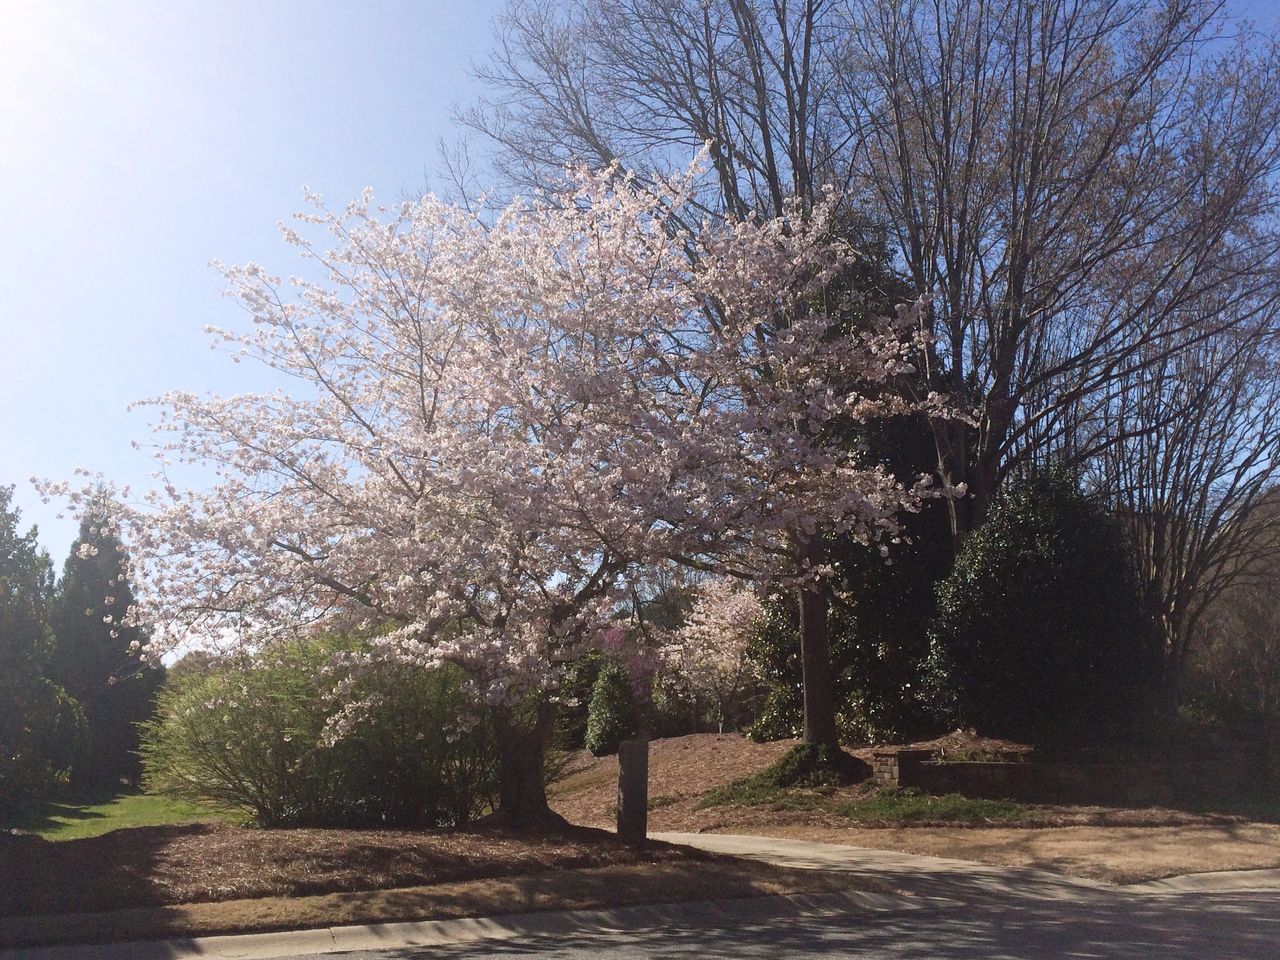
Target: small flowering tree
708, 656
493, 425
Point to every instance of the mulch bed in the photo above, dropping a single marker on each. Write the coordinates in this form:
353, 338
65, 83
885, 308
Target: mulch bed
193, 863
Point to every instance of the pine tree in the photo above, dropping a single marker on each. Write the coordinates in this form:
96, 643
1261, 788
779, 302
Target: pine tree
39, 723
95, 654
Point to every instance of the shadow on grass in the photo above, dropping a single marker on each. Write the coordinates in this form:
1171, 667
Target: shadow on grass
53, 814
50, 815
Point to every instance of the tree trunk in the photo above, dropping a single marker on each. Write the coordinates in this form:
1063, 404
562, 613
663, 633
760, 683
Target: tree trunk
523, 735
951, 441
815, 658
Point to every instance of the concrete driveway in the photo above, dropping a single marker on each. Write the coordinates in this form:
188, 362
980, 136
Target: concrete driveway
941, 877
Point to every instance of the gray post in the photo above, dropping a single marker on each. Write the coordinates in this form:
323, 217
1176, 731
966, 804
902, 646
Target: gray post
1271, 750
633, 791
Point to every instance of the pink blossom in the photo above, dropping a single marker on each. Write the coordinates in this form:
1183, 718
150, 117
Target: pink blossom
495, 426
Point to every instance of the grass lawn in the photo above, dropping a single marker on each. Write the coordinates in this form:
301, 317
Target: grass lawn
66, 821
871, 804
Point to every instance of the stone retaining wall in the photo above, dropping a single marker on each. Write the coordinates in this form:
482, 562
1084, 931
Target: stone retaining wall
1232, 773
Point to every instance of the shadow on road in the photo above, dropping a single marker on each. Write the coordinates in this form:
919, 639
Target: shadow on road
1116, 926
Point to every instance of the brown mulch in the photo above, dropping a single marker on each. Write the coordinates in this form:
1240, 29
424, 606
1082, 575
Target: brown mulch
681, 769
1113, 844
154, 866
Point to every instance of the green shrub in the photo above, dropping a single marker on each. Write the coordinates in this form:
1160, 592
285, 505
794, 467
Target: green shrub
575, 701
251, 735
611, 717
675, 713
1039, 633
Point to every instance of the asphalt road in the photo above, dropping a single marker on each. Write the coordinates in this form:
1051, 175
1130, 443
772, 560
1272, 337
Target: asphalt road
1169, 927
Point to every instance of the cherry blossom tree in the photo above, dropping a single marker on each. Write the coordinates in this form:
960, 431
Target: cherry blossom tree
708, 656
492, 425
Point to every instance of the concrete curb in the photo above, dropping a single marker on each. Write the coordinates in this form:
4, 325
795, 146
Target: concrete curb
1220, 881
262, 946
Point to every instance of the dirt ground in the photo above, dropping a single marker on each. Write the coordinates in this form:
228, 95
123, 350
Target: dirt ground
1116, 845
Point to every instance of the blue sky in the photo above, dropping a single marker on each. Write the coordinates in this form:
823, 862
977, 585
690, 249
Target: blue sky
141, 140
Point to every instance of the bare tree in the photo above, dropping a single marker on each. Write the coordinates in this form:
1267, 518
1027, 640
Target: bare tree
647, 81
1237, 660
1060, 178
1064, 178
1193, 448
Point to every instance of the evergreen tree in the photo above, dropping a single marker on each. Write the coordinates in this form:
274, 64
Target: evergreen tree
95, 654
611, 716
1040, 633
39, 723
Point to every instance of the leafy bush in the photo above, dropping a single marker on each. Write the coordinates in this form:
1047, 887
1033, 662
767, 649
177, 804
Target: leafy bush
671, 712
1039, 633
611, 717
674, 712
777, 653
252, 736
